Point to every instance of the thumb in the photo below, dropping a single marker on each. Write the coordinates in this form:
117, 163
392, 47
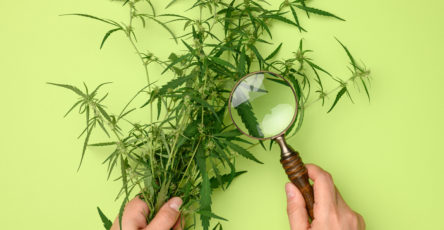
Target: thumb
167, 216
297, 214
134, 215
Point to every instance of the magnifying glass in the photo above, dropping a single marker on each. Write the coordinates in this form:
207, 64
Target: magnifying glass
263, 105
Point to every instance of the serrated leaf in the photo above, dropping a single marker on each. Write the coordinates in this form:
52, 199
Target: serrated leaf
170, 4
366, 89
85, 143
151, 6
231, 133
173, 84
283, 19
211, 215
296, 19
230, 9
104, 113
106, 222
176, 61
70, 87
93, 17
318, 11
338, 96
258, 55
166, 28
313, 65
75, 105
205, 104
274, 52
352, 60
205, 189
243, 152
245, 111
226, 178
103, 144
107, 36
222, 62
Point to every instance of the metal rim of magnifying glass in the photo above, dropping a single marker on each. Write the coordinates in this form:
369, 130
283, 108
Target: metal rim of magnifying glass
295, 110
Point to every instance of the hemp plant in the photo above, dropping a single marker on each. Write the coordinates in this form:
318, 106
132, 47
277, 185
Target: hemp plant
188, 147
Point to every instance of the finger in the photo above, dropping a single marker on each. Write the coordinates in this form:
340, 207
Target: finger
323, 187
340, 201
361, 222
167, 216
180, 223
297, 213
134, 216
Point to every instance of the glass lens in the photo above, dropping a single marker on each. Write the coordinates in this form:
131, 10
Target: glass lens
263, 105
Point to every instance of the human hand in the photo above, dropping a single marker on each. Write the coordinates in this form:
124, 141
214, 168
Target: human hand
330, 210
136, 211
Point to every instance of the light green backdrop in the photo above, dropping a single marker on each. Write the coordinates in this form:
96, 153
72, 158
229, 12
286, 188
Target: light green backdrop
385, 156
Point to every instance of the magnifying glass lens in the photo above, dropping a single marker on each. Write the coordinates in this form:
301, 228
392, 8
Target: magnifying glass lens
263, 105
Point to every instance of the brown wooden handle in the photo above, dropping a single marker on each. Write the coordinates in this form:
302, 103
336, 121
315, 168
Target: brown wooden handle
297, 173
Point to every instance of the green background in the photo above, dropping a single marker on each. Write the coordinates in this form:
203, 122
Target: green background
385, 156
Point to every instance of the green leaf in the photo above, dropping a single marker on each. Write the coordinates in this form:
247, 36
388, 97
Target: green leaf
283, 19
75, 105
173, 84
94, 17
274, 52
170, 4
159, 107
222, 62
176, 61
243, 152
352, 60
338, 96
211, 215
107, 35
166, 28
231, 133
258, 55
245, 111
226, 178
318, 11
313, 65
205, 104
151, 6
230, 9
241, 64
122, 208
366, 89
296, 19
104, 113
106, 222
103, 144
85, 143
70, 87
205, 189
188, 133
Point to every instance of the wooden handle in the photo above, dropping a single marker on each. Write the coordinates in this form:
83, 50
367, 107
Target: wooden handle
297, 173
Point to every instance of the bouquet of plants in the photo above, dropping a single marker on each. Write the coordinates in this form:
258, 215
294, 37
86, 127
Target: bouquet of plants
187, 146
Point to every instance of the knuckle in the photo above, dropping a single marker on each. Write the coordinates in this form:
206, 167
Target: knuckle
327, 176
334, 220
170, 215
353, 219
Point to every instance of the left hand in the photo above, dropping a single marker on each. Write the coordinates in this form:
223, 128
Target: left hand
136, 211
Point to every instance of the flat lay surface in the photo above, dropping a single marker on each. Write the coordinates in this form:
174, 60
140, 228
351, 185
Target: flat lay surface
385, 155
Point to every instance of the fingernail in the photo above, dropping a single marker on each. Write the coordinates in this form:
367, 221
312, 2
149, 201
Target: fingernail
289, 190
175, 203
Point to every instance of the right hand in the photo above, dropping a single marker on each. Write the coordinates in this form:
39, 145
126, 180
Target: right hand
330, 210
